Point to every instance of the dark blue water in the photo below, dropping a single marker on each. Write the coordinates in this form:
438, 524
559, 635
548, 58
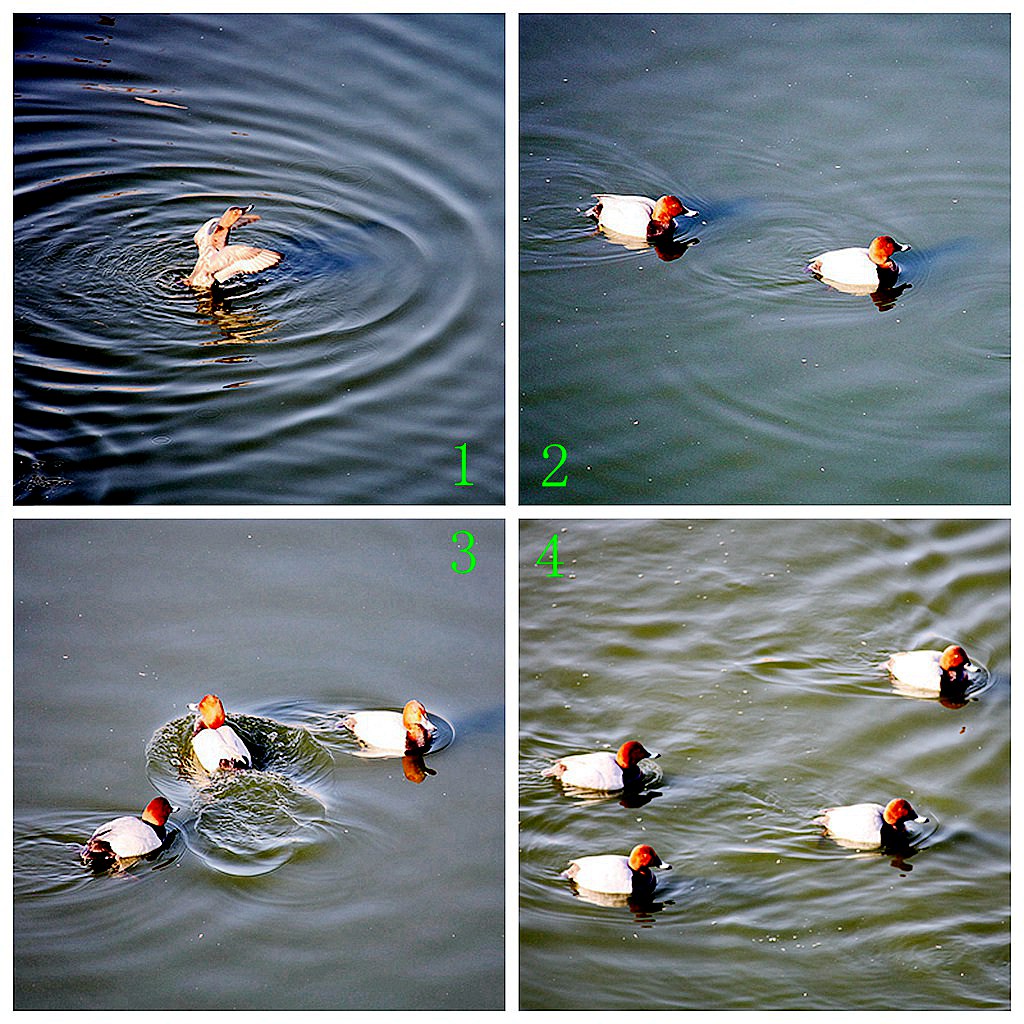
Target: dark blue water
372, 148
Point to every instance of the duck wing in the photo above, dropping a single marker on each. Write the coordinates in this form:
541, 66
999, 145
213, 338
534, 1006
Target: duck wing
241, 259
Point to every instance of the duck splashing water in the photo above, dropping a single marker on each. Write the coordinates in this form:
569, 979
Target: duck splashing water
219, 261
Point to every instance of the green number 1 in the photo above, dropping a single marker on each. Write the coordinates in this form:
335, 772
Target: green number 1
470, 540
463, 482
552, 558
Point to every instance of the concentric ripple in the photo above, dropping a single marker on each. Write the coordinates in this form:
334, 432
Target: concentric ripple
246, 822
379, 180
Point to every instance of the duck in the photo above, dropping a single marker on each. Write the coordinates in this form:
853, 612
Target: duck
418, 739
407, 732
931, 671
218, 261
123, 839
870, 826
871, 267
638, 216
216, 745
618, 876
602, 769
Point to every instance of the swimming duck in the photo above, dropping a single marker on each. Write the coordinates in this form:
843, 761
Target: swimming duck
638, 216
602, 769
621, 876
871, 267
407, 732
931, 671
219, 261
125, 838
869, 826
216, 745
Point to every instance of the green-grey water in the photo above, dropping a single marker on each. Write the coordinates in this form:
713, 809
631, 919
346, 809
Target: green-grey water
730, 375
323, 880
748, 652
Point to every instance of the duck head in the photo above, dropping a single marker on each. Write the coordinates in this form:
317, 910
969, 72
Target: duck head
882, 247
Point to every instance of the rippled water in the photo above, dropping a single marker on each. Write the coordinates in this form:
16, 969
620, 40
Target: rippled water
245, 822
372, 148
729, 374
748, 654
300, 884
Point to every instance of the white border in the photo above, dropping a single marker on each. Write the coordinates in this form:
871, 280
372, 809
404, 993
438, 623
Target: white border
512, 512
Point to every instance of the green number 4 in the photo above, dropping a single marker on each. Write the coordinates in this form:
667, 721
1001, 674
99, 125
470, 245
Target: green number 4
549, 556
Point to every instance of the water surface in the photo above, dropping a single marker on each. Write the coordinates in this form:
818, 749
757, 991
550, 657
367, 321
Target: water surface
372, 148
748, 654
321, 880
729, 374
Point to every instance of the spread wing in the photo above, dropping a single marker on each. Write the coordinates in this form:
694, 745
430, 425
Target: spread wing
241, 259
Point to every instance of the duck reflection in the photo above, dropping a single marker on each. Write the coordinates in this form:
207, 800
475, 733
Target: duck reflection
629, 798
643, 908
234, 327
666, 249
415, 768
883, 298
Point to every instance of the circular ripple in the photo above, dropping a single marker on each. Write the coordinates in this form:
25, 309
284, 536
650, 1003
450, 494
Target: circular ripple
246, 822
48, 853
557, 189
391, 277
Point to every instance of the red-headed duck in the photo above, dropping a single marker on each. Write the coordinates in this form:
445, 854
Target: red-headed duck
618, 876
219, 261
935, 672
869, 826
216, 745
871, 267
407, 732
638, 216
602, 769
125, 838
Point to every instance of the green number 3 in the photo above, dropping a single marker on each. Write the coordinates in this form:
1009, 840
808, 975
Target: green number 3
470, 540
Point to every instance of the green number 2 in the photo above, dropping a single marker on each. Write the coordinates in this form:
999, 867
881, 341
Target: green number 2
470, 540
548, 482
